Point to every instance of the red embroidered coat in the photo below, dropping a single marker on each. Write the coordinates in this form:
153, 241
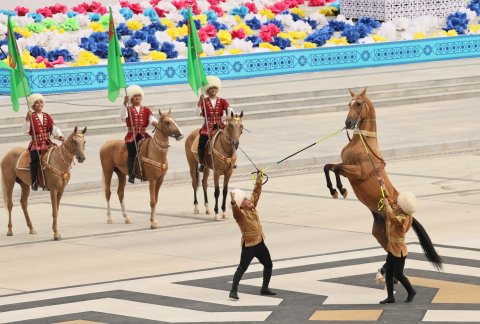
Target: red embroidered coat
140, 123
214, 114
42, 132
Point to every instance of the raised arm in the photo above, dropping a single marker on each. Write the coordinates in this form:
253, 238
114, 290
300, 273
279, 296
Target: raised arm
258, 189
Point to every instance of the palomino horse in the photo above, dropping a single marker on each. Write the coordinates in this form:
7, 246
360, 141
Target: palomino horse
154, 166
362, 164
224, 156
56, 166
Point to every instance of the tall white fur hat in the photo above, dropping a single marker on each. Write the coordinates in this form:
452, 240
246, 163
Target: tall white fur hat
213, 81
407, 202
239, 196
133, 90
33, 98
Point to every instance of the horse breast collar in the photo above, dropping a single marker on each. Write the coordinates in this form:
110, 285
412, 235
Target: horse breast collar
228, 160
363, 132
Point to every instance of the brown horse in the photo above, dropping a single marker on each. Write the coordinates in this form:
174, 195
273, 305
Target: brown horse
223, 146
154, 166
363, 164
56, 166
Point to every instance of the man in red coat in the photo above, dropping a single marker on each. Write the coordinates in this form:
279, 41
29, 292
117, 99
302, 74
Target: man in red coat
215, 108
137, 118
39, 126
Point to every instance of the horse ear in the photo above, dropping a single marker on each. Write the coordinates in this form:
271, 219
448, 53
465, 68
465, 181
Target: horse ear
169, 111
241, 114
75, 130
231, 114
84, 130
159, 112
351, 92
364, 92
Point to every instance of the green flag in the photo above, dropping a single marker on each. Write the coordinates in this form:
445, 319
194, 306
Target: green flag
196, 75
18, 81
116, 78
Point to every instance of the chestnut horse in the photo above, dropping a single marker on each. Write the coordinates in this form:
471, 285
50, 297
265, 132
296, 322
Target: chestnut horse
154, 165
363, 164
221, 162
56, 167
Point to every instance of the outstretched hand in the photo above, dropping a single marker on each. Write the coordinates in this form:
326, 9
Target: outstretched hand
126, 100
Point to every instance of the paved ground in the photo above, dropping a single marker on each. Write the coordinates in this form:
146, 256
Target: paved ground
325, 258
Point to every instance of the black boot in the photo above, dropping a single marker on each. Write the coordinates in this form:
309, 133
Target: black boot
388, 300
267, 274
236, 280
34, 173
411, 295
131, 170
201, 157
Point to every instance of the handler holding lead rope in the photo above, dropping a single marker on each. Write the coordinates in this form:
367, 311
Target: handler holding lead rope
252, 242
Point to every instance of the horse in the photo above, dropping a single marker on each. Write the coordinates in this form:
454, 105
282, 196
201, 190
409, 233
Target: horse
364, 167
56, 165
223, 146
153, 168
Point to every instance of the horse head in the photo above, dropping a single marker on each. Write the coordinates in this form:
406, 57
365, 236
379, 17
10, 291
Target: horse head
168, 126
234, 128
360, 108
76, 144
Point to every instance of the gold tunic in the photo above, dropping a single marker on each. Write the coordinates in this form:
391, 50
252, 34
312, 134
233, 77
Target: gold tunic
247, 219
398, 223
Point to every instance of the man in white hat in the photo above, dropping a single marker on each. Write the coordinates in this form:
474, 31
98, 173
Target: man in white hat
398, 222
39, 126
215, 107
137, 118
252, 242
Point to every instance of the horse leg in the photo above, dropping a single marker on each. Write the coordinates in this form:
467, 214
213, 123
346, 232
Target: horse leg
340, 187
326, 169
157, 189
216, 180
54, 197
378, 230
7, 189
122, 182
107, 183
206, 173
226, 179
153, 203
24, 204
194, 175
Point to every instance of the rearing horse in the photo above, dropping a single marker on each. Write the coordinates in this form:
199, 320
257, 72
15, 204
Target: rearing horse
224, 156
154, 164
362, 164
56, 165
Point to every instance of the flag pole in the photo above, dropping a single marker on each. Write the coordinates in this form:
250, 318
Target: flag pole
134, 135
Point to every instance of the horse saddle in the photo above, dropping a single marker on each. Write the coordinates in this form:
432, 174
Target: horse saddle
194, 147
23, 163
124, 157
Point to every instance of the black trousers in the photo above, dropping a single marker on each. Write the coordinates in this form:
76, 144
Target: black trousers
132, 150
35, 157
394, 268
202, 142
259, 251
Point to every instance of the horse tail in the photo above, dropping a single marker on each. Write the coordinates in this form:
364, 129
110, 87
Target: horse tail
427, 245
4, 190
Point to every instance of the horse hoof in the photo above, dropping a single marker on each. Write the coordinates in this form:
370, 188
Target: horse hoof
128, 221
344, 193
154, 226
57, 237
195, 209
32, 231
216, 217
109, 221
208, 212
9, 233
335, 195
224, 216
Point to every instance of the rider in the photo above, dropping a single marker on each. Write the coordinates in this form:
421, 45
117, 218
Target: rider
398, 222
216, 107
39, 126
141, 117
